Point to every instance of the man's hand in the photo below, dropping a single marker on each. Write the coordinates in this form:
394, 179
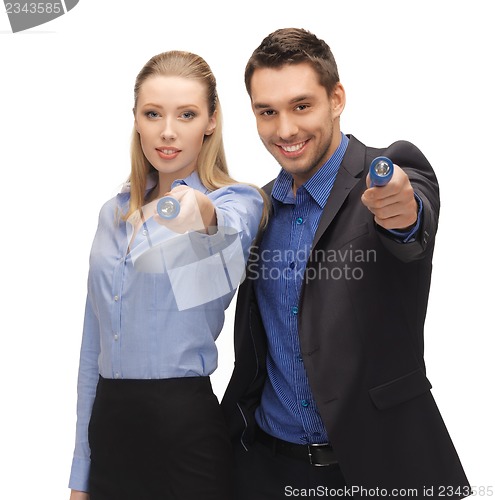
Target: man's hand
394, 205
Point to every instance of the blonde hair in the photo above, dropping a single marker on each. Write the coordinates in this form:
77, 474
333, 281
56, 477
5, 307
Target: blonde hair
212, 164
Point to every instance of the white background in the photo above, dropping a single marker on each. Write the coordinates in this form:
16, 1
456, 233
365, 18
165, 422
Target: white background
421, 71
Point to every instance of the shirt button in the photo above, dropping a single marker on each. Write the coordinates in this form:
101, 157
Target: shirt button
116, 298
115, 336
295, 310
145, 232
305, 403
299, 220
117, 375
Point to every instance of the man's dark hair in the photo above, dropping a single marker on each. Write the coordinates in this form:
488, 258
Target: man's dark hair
294, 46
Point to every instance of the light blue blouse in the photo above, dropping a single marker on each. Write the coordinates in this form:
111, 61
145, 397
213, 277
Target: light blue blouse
156, 303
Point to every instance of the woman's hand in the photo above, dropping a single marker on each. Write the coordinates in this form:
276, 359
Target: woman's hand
78, 495
197, 212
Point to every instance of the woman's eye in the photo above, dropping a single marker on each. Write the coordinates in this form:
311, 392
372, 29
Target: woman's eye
151, 114
188, 115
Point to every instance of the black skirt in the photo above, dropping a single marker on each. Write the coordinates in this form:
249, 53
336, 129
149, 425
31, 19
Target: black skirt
159, 440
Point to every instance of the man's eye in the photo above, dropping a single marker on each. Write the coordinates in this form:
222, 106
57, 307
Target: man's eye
268, 112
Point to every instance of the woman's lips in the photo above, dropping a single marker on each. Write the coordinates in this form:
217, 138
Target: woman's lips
168, 153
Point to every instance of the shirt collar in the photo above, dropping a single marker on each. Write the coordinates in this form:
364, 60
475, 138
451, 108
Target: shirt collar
319, 185
282, 188
192, 180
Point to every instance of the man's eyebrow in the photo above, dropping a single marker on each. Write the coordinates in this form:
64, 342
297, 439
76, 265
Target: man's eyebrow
294, 100
260, 105
299, 98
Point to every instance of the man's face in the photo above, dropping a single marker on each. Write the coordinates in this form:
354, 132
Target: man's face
297, 121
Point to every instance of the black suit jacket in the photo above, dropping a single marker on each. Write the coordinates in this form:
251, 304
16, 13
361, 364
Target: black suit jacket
362, 310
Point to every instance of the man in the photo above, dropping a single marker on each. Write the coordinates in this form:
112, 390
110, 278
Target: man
329, 392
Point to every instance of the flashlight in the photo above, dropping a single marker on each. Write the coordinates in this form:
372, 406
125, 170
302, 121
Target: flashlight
168, 207
381, 171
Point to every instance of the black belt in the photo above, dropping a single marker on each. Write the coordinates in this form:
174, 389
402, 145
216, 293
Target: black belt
314, 454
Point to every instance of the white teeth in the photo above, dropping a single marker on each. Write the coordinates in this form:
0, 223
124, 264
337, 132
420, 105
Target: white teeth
167, 151
295, 147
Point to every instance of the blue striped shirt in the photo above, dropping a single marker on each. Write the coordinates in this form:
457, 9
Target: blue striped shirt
288, 410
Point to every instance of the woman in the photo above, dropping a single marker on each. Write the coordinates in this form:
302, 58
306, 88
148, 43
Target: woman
149, 426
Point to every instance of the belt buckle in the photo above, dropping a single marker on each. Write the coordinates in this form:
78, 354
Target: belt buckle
310, 455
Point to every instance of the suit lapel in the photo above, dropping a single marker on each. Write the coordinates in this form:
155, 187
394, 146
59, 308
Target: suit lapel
347, 177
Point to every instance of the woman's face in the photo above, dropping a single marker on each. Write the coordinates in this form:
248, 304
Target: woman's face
171, 118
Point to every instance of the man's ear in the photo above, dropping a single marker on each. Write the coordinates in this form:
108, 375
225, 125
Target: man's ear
338, 100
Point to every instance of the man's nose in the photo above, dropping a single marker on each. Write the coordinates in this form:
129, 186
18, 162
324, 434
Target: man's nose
287, 127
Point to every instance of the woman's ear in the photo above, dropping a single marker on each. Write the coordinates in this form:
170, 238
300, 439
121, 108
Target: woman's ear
212, 124
135, 121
